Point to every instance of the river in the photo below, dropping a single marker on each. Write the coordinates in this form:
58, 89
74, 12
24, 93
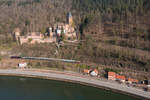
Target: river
20, 88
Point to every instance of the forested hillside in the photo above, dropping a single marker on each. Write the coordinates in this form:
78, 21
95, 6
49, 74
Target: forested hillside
116, 32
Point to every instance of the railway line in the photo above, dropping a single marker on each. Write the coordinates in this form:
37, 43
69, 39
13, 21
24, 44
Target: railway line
46, 59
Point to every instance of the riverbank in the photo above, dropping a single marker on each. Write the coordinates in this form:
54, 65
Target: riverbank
76, 78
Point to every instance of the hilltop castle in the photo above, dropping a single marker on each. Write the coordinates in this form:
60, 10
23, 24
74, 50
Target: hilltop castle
53, 34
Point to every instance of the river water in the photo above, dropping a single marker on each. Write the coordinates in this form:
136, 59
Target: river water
20, 88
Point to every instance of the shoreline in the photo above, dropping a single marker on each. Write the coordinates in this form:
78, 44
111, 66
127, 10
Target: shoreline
75, 78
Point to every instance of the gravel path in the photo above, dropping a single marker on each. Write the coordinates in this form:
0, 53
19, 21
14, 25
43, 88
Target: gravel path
77, 79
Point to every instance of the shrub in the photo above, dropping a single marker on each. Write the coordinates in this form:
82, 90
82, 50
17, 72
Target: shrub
29, 40
111, 70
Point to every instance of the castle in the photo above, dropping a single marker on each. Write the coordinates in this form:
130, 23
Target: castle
53, 34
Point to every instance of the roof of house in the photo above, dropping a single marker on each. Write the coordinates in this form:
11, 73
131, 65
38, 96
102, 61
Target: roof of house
120, 77
133, 80
111, 74
94, 72
86, 71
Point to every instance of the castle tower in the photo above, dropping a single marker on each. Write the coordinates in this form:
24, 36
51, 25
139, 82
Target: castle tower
69, 18
16, 34
50, 32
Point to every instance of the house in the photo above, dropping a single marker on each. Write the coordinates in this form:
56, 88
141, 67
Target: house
94, 72
86, 71
91, 72
22, 65
111, 76
130, 81
120, 78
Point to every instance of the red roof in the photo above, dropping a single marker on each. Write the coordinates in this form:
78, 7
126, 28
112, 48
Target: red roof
120, 77
86, 71
112, 74
133, 80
